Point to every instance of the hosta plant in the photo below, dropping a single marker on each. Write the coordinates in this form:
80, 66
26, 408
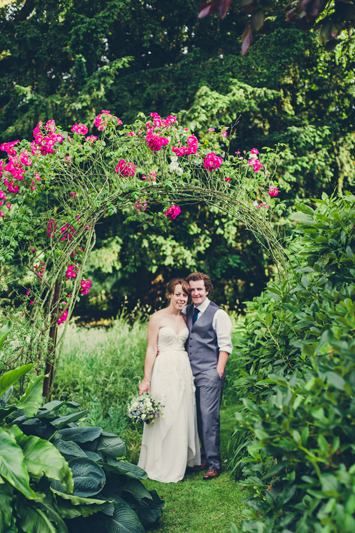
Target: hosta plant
27, 464
54, 473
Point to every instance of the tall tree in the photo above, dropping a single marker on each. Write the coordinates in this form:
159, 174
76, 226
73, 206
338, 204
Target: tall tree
68, 59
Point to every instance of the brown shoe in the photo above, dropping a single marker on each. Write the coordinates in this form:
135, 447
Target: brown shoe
211, 474
197, 468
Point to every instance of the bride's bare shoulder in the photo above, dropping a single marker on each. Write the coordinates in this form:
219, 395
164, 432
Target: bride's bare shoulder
157, 316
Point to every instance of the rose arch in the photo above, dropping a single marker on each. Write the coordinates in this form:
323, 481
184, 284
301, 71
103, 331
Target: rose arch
54, 191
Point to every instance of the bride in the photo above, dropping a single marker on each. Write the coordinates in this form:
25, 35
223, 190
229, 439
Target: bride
171, 442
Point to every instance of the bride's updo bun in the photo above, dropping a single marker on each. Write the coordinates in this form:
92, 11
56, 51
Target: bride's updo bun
170, 288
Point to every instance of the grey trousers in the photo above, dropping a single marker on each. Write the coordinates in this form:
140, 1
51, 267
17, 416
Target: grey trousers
209, 388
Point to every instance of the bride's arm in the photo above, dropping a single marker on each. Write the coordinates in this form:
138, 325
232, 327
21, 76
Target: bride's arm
153, 330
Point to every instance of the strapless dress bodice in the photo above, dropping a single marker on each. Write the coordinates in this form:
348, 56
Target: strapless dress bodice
169, 340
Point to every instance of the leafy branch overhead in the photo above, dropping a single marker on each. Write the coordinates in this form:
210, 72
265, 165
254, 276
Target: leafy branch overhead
327, 17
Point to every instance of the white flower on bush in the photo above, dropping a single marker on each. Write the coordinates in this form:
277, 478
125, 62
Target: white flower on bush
173, 166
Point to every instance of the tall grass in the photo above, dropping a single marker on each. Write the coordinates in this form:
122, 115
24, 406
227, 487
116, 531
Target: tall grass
101, 369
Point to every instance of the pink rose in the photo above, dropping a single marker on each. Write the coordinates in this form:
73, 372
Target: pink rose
141, 205
124, 169
80, 128
255, 164
273, 191
173, 212
212, 161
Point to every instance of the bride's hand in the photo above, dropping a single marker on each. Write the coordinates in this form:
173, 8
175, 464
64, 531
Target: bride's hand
144, 387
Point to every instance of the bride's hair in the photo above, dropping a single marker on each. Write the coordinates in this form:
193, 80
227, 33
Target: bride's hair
170, 288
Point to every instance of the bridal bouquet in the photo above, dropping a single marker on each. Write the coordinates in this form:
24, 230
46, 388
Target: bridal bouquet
145, 408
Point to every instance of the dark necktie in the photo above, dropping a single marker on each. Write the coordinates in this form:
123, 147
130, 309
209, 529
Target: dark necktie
196, 312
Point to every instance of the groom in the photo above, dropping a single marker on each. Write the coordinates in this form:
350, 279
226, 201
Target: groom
208, 346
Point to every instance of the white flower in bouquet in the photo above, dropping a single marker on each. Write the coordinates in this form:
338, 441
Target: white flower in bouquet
145, 408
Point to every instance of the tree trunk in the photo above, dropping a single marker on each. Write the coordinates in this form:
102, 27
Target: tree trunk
49, 370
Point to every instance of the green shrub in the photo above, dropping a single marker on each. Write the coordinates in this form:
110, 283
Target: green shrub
55, 473
299, 408
27, 463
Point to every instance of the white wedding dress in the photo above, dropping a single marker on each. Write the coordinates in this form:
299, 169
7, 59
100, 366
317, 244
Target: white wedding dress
171, 443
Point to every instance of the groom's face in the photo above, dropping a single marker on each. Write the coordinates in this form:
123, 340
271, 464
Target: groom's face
198, 291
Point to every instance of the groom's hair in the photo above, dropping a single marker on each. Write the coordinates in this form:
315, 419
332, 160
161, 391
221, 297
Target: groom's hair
196, 276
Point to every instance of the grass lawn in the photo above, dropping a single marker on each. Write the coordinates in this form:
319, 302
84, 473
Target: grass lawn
198, 506
101, 370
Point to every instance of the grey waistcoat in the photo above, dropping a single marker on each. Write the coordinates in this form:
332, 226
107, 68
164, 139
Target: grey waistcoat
202, 344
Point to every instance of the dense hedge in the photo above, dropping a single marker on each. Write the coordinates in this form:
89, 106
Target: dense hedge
298, 346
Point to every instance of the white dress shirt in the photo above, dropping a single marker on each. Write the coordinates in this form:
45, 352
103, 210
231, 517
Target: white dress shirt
221, 324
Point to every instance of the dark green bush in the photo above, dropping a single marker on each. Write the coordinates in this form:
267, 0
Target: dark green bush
54, 473
92, 455
298, 347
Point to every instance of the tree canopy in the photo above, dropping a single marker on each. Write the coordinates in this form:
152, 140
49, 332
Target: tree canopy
329, 18
69, 60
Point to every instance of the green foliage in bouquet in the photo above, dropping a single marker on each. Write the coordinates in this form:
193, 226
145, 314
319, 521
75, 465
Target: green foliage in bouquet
299, 351
54, 473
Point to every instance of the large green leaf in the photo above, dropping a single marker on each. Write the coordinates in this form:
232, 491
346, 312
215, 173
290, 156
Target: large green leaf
137, 489
42, 457
81, 434
55, 404
31, 401
4, 331
305, 209
6, 412
111, 445
89, 478
4, 398
121, 467
94, 456
68, 448
6, 491
9, 378
49, 409
35, 426
65, 420
114, 487
12, 465
124, 520
54, 516
39, 519
149, 514
71, 506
